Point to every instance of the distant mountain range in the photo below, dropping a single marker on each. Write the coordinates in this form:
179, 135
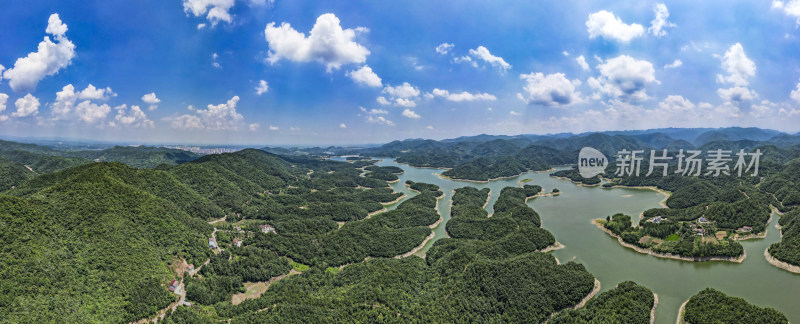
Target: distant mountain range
477, 157
654, 138
483, 157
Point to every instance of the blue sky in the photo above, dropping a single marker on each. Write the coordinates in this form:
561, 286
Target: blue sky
370, 71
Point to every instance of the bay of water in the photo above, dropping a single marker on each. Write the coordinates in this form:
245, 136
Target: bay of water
568, 216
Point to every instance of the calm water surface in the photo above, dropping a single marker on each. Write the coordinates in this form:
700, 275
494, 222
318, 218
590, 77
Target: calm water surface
568, 216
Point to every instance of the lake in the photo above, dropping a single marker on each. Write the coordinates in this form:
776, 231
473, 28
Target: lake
568, 216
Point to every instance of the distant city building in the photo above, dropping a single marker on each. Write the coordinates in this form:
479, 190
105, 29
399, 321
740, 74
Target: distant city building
204, 150
212, 243
237, 242
267, 228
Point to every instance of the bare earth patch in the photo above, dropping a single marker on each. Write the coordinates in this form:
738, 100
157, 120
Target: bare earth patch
255, 289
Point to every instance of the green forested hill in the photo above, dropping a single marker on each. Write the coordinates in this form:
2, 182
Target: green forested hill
788, 249
90, 247
135, 156
462, 280
13, 173
626, 303
158, 183
42, 163
43, 159
713, 306
92, 243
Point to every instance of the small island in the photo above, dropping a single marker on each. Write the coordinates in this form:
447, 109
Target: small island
699, 240
573, 175
713, 306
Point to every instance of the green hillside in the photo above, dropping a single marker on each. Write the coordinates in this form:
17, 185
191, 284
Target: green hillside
90, 247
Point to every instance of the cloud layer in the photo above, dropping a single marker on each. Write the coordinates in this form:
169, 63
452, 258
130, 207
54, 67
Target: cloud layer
50, 58
327, 43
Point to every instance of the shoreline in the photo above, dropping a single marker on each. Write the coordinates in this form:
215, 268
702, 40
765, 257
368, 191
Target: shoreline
548, 194
680, 313
419, 167
653, 310
394, 201
436, 224
591, 295
427, 238
576, 182
418, 247
491, 179
761, 235
665, 255
555, 246
780, 264
376, 212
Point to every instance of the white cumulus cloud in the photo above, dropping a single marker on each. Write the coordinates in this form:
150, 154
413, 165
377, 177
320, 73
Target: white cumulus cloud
623, 77
26, 106
327, 43
795, 95
675, 64
410, 114
253, 127
790, 8
365, 76
91, 113
549, 90
214, 62
379, 120
404, 90
46, 61
404, 95
93, 93
262, 87
463, 96
659, 25
216, 117
605, 24
404, 102
214, 10
151, 100
483, 53
133, 117
3, 100
374, 111
444, 48
676, 104
738, 66
383, 101
66, 99
736, 94
582, 62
